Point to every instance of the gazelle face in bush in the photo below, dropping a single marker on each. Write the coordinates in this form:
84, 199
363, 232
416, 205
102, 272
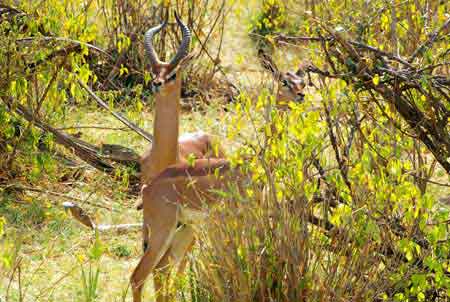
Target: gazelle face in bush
291, 88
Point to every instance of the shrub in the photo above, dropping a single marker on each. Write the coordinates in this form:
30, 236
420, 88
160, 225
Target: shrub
325, 218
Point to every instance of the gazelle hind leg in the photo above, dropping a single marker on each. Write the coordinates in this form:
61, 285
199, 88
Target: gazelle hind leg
161, 277
145, 237
183, 241
176, 255
161, 271
163, 227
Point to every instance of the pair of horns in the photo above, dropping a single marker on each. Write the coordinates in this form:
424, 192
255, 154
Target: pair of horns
182, 50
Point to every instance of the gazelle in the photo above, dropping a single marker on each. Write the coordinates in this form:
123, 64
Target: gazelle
167, 147
172, 203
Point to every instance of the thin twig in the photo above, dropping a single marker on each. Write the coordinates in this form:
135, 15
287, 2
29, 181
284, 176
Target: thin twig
94, 127
19, 281
429, 41
96, 48
431, 181
357, 44
49, 85
353, 129
37, 190
118, 116
49, 288
342, 167
11, 278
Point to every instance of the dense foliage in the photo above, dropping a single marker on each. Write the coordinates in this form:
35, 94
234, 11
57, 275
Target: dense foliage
348, 214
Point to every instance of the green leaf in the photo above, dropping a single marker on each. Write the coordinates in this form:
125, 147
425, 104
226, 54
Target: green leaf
97, 248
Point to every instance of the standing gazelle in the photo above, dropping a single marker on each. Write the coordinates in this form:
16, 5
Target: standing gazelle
167, 147
174, 201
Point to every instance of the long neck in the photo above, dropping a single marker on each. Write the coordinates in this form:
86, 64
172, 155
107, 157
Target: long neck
164, 150
166, 123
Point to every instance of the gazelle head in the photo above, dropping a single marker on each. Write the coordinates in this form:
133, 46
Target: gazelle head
165, 73
291, 87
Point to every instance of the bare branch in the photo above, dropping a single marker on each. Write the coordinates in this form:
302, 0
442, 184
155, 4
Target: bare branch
81, 216
118, 116
431, 39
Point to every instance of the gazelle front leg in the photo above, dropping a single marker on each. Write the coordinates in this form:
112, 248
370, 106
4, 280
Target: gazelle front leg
162, 221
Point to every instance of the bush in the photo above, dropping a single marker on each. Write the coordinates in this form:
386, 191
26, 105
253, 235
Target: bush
319, 229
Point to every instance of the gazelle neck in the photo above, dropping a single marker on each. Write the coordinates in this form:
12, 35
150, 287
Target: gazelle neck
164, 151
166, 122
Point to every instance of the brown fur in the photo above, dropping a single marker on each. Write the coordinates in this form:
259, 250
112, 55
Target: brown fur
201, 146
200, 167
167, 149
179, 188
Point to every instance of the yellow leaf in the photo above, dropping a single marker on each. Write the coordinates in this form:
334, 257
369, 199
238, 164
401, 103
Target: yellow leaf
2, 225
80, 257
139, 106
376, 80
240, 59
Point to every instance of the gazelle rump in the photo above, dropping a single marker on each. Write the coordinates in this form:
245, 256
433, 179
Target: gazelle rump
174, 201
167, 148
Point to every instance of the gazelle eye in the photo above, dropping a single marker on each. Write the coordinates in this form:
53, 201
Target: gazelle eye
284, 83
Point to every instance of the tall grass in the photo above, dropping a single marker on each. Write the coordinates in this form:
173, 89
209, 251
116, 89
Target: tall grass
90, 282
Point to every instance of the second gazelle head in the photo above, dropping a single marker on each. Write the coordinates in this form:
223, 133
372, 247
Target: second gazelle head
291, 87
163, 72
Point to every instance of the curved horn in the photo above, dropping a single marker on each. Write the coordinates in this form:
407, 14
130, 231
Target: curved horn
184, 46
148, 43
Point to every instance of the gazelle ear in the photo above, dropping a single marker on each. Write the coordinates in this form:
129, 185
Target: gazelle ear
268, 63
